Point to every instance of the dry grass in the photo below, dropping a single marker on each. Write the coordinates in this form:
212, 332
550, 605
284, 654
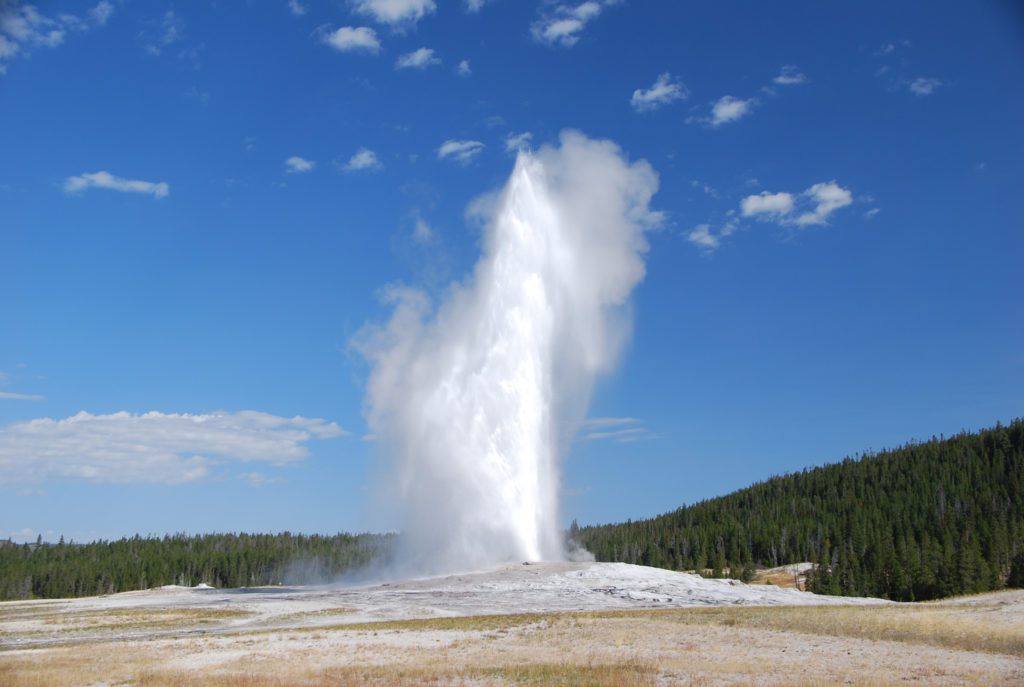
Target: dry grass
806, 646
930, 625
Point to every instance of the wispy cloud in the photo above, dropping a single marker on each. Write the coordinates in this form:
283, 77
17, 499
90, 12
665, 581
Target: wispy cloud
297, 165
24, 28
924, 86
107, 180
475, 5
167, 30
397, 13
364, 159
707, 238
21, 397
666, 89
462, 152
297, 8
463, 69
563, 23
153, 447
790, 76
350, 39
417, 59
729, 109
516, 142
620, 429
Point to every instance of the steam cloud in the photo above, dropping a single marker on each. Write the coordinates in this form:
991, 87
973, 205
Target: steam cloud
475, 398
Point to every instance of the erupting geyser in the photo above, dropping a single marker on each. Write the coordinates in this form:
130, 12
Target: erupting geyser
473, 400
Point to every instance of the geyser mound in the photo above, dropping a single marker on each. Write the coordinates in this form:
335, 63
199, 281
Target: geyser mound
473, 400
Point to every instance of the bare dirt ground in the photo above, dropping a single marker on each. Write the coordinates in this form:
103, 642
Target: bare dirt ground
548, 623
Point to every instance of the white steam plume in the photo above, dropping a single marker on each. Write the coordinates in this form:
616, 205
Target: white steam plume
474, 399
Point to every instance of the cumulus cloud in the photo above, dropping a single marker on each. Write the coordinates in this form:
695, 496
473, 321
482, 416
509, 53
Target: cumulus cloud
109, 181
923, 86
665, 90
152, 447
463, 69
826, 199
351, 39
729, 109
563, 23
790, 76
813, 206
462, 152
417, 59
397, 13
363, 159
297, 165
767, 204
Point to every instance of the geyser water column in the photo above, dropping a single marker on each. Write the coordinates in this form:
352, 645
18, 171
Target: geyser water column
473, 400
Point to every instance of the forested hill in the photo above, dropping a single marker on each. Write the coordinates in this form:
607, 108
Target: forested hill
46, 570
924, 521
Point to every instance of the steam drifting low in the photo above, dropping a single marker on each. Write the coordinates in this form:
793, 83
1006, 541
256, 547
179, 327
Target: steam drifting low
474, 398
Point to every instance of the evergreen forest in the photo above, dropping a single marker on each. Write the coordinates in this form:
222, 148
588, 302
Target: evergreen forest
924, 521
63, 570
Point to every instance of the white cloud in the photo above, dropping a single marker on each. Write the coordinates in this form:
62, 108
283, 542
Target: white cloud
516, 142
475, 5
395, 12
363, 159
665, 90
153, 447
23, 28
871, 213
827, 198
462, 151
923, 86
107, 180
296, 165
463, 68
729, 109
297, 8
704, 236
790, 76
765, 203
417, 59
351, 39
21, 397
813, 206
563, 24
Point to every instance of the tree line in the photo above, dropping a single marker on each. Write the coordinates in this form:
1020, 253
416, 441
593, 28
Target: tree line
46, 570
923, 521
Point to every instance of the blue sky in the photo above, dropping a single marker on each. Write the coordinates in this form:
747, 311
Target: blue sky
200, 204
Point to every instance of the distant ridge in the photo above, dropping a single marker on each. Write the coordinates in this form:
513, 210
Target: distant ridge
924, 521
